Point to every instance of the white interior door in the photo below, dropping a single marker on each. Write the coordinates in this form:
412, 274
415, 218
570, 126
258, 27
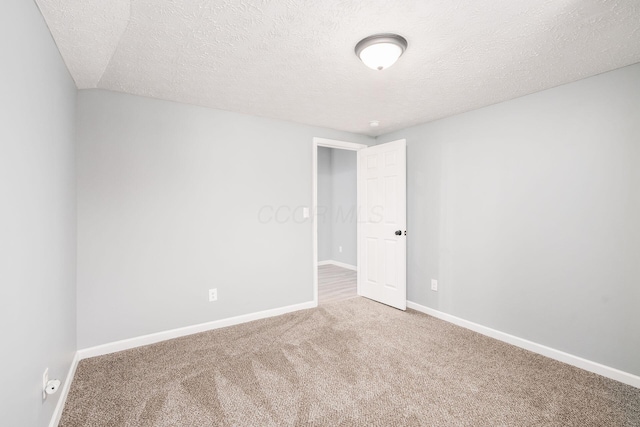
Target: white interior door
382, 221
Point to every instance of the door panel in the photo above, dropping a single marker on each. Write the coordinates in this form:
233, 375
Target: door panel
381, 213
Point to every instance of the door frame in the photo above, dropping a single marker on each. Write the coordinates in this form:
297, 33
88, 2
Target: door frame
329, 143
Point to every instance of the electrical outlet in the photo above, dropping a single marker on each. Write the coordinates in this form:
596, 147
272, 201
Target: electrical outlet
213, 295
434, 285
45, 380
340, 249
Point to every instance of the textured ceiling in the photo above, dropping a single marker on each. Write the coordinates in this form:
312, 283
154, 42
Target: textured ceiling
294, 59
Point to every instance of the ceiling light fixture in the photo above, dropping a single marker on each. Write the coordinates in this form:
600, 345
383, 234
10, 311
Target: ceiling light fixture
374, 123
381, 51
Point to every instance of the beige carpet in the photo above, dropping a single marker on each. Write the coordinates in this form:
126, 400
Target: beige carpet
350, 363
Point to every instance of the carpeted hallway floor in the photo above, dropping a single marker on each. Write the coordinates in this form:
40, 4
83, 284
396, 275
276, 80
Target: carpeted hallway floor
350, 363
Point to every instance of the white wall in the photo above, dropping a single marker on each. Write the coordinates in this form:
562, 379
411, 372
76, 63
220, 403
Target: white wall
528, 213
37, 217
175, 199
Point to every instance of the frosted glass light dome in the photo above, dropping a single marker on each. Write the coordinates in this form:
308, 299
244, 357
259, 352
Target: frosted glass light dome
381, 51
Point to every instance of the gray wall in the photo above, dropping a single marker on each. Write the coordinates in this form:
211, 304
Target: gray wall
344, 182
528, 214
325, 237
337, 199
37, 218
176, 199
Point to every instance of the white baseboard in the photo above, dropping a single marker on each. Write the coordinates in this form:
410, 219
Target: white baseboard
579, 362
64, 392
338, 264
188, 330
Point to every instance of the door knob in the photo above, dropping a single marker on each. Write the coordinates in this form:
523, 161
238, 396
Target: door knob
399, 233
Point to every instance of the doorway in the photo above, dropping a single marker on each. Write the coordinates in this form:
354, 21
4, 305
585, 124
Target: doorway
335, 220
337, 224
380, 218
